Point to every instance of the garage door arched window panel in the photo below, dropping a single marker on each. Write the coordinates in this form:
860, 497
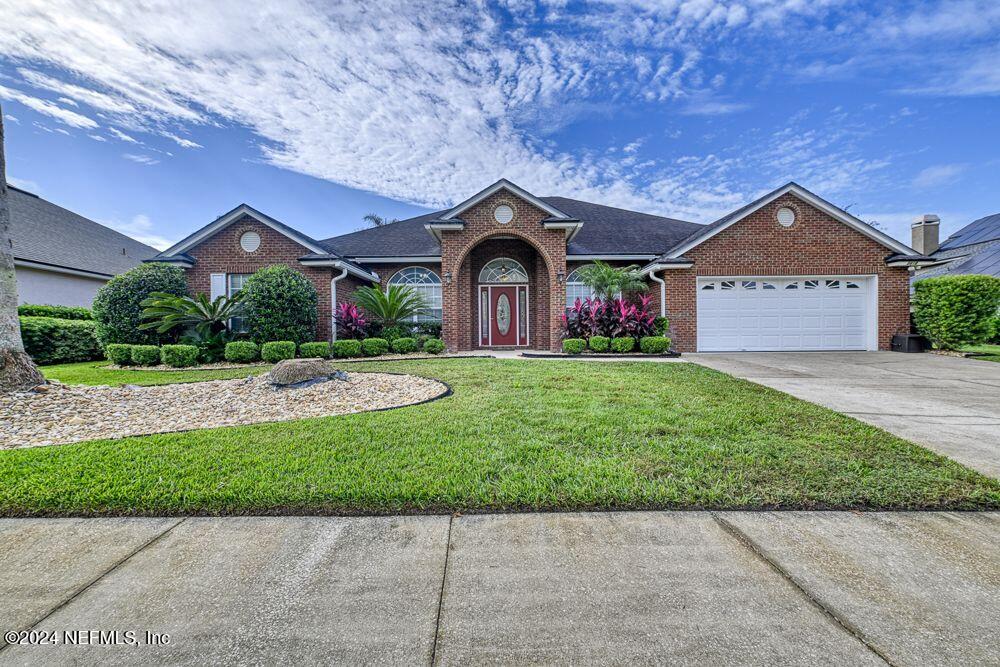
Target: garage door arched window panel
503, 271
427, 284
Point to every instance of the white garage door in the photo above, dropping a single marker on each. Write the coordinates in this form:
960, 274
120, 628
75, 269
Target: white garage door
758, 314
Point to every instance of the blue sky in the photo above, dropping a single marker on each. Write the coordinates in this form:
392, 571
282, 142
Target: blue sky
155, 119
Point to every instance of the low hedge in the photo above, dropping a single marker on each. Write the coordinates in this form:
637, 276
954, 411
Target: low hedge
58, 312
278, 350
49, 340
622, 345
573, 345
318, 349
119, 354
599, 343
344, 349
953, 311
654, 344
145, 355
404, 345
374, 347
434, 346
179, 356
242, 352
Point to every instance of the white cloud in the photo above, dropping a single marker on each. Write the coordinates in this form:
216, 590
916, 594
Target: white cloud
12, 119
937, 175
67, 101
97, 137
141, 228
66, 116
183, 143
141, 159
118, 134
30, 186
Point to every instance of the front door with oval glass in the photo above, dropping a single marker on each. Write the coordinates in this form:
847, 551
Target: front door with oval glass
503, 315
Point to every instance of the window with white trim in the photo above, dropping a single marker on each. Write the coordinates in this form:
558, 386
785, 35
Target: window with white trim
576, 288
426, 283
234, 283
503, 270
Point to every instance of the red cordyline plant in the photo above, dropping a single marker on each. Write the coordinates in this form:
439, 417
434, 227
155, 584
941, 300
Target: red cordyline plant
350, 320
614, 318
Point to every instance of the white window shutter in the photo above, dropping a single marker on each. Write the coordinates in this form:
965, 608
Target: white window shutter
218, 286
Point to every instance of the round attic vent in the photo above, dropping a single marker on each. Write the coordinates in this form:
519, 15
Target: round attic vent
250, 241
786, 217
503, 214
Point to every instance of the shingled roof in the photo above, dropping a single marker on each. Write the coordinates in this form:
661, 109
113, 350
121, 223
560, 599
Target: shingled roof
44, 233
982, 230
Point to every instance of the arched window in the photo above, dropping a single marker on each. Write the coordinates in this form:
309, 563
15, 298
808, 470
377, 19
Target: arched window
503, 270
576, 289
426, 283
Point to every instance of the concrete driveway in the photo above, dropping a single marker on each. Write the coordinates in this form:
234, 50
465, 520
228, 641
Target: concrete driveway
947, 404
728, 588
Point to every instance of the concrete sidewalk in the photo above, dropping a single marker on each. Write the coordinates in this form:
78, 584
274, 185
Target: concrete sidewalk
649, 587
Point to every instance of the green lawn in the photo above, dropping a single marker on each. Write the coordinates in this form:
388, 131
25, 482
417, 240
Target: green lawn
989, 352
515, 435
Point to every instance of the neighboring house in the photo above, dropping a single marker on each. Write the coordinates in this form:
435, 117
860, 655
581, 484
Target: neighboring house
974, 248
789, 271
61, 258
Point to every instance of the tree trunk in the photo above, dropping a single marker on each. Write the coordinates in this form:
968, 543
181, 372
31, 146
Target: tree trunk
17, 370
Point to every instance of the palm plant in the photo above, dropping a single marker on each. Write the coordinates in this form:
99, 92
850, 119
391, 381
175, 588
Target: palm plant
609, 282
204, 317
394, 305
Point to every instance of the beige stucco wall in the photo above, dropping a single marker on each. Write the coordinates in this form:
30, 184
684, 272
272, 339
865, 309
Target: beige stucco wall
55, 289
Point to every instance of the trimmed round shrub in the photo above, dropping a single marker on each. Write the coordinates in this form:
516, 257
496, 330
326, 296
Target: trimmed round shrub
344, 349
654, 344
117, 310
404, 345
374, 347
318, 349
59, 312
145, 355
119, 354
953, 311
242, 351
434, 346
49, 340
279, 304
179, 356
622, 345
277, 350
599, 343
394, 332
573, 345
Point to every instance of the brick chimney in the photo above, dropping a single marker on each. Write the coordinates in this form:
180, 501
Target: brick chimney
926, 233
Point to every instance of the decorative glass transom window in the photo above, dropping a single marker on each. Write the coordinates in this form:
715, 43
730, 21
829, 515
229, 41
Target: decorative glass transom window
425, 283
503, 270
576, 289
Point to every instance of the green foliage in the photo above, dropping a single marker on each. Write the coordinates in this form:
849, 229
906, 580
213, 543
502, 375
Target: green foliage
145, 355
279, 303
164, 312
242, 351
953, 311
608, 281
317, 349
211, 347
622, 345
118, 309
119, 354
344, 349
434, 346
404, 345
661, 326
995, 330
58, 312
179, 356
49, 340
278, 350
654, 344
430, 329
393, 332
599, 343
397, 303
574, 345
373, 347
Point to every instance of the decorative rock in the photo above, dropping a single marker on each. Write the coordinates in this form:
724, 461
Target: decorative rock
41, 389
294, 371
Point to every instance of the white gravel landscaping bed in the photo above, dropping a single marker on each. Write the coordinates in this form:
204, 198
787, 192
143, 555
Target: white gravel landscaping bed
72, 413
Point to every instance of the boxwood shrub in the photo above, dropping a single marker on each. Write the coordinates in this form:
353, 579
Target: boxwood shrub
654, 344
573, 345
953, 311
59, 312
49, 340
373, 347
344, 349
317, 349
277, 350
599, 343
622, 345
116, 306
404, 345
179, 356
119, 354
434, 346
279, 304
145, 355
242, 351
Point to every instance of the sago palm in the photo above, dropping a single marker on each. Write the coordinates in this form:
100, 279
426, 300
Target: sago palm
203, 316
397, 303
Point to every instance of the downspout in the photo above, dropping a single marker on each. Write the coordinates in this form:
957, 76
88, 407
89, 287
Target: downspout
333, 304
663, 291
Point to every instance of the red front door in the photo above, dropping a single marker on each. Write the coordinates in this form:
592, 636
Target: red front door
503, 315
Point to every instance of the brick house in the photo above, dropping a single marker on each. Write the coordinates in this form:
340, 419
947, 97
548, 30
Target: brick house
788, 271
